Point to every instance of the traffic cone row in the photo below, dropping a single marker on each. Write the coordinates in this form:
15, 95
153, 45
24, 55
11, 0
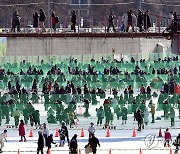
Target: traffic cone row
31, 133
57, 133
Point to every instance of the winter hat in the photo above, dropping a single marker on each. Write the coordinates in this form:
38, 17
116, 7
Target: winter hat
51, 134
5, 131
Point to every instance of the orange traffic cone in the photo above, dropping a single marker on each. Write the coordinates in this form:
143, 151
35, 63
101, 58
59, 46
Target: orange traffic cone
134, 133
108, 133
18, 152
160, 133
31, 133
140, 151
82, 132
57, 133
49, 151
170, 151
110, 151
79, 151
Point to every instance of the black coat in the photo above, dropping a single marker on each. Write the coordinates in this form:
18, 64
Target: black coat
93, 142
49, 141
73, 146
73, 18
147, 22
139, 116
64, 130
35, 21
42, 16
40, 141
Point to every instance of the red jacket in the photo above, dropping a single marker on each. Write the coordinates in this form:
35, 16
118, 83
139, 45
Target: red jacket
106, 101
142, 90
21, 129
53, 20
167, 136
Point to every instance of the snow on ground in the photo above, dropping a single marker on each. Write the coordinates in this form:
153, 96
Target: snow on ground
120, 141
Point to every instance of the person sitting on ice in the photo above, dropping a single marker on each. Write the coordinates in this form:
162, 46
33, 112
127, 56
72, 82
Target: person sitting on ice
2, 137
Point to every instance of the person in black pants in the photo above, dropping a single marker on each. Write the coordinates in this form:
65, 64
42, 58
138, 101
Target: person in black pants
40, 143
73, 20
16, 22
140, 20
111, 21
139, 119
93, 142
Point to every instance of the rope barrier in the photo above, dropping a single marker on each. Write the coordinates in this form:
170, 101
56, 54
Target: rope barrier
156, 149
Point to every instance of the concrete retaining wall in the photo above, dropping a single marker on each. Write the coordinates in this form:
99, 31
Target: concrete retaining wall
34, 46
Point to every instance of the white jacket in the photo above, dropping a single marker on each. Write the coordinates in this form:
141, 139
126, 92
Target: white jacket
91, 130
45, 131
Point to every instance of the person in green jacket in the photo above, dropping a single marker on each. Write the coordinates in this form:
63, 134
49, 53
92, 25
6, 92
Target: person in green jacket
134, 108
124, 115
100, 115
153, 110
172, 116
166, 109
117, 110
16, 116
36, 117
26, 115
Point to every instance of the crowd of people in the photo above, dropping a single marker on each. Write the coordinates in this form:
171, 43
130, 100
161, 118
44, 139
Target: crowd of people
45, 139
129, 21
61, 86
32, 84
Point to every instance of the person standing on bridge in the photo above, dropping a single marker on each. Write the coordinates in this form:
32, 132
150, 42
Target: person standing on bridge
16, 22
111, 21
54, 21
42, 19
140, 20
35, 20
73, 20
147, 22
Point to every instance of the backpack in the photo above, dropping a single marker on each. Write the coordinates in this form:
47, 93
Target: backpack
57, 19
